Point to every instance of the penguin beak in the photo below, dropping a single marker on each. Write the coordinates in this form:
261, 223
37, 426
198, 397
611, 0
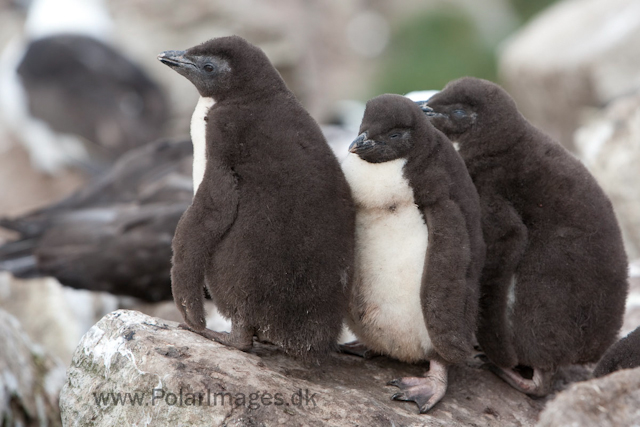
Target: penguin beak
360, 143
176, 59
427, 110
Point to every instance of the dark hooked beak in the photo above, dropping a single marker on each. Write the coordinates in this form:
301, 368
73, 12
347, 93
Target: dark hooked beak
175, 59
427, 110
360, 142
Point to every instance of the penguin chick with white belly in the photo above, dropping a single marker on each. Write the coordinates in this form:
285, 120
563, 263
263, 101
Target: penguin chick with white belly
419, 247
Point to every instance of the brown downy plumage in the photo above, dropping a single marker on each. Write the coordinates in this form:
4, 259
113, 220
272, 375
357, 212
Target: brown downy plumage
555, 281
270, 230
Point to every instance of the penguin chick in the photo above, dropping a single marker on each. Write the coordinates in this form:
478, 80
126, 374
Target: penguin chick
419, 247
554, 285
625, 354
270, 230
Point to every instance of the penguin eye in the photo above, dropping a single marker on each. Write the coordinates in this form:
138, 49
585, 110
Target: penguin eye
208, 68
459, 113
394, 135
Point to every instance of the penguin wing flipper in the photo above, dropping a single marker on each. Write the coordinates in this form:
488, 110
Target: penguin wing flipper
444, 286
200, 229
625, 354
506, 239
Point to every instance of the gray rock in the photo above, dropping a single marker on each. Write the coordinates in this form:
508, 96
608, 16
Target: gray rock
632, 314
30, 379
576, 54
613, 400
134, 357
608, 146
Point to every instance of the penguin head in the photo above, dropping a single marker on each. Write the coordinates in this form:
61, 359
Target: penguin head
225, 67
468, 106
388, 130
208, 73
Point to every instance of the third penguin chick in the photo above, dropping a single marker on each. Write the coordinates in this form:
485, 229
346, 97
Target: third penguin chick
270, 230
554, 285
419, 247
625, 354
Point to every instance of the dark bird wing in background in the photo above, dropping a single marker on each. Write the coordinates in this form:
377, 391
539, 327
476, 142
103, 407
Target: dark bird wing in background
115, 234
79, 85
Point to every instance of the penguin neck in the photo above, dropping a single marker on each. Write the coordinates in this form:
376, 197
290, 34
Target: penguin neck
377, 185
199, 139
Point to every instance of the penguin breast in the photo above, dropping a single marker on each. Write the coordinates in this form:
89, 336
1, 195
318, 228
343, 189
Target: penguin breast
391, 244
199, 139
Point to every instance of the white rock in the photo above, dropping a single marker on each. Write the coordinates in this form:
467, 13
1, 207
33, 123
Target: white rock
609, 145
53, 316
576, 54
30, 378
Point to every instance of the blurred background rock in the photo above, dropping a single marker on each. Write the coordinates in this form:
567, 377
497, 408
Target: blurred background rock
571, 65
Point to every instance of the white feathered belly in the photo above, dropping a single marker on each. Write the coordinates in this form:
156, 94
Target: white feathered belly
391, 244
199, 140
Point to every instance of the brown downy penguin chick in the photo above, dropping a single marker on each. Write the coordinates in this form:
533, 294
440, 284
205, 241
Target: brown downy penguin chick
554, 285
625, 354
419, 247
270, 230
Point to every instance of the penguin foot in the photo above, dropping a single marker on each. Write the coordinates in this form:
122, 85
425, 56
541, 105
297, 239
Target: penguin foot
358, 349
424, 391
532, 381
239, 338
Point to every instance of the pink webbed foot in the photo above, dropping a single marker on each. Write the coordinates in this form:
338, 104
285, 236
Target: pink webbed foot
532, 381
424, 391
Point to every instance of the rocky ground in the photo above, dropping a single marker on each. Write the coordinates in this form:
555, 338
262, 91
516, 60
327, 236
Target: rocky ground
127, 352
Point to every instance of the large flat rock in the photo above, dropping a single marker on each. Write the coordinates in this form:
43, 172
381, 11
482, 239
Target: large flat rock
131, 356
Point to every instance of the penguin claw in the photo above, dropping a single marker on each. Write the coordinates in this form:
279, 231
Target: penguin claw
185, 327
424, 391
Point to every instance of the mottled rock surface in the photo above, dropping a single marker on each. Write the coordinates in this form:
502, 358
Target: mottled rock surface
131, 357
30, 379
576, 54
